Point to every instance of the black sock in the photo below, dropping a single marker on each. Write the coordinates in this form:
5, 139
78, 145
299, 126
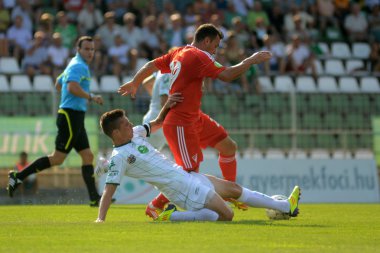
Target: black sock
36, 166
89, 179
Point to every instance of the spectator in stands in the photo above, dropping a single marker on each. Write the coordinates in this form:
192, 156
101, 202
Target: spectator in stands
24, 10
242, 6
302, 32
375, 57
326, 16
30, 184
89, 19
46, 25
374, 22
57, 55
131, 33
189, 16
72, 8
118, 7
276, 18
289, 24
240, 30
151, 40
356, 24
122, 57
35, 60
100, 63
68, 31
18, 38
278, 61
109, 29
300, 57
256, 13
4, 23
175, 36
191, 28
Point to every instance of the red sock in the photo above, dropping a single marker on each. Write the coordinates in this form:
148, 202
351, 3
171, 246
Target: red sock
228, 166
160, 201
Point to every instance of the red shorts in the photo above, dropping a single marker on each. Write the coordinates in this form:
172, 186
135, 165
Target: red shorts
186, 142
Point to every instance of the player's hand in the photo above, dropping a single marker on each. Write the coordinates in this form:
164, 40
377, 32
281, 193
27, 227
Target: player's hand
260, 57
129, 88
98, 99
173, 99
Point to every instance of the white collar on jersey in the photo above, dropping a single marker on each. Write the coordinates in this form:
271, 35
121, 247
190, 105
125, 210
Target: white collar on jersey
212, 57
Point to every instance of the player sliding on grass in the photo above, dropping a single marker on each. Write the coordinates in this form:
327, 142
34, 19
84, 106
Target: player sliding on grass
187, 129
201, 195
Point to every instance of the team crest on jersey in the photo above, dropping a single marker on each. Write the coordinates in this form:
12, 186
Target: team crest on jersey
111, 164
195, 157
143, 149
217, 64
131, 159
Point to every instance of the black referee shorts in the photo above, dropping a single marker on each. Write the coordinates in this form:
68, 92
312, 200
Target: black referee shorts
71, 131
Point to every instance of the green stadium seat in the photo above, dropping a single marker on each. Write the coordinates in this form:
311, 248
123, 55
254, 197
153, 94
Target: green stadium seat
356, 121
211, 104
318, 103
269, 121
252, 101
333, 121
282, 141
276, 102
231, 103
285, 121
326, 141
248, 121
339, 103
306, 141
242, 141
262, 141
302, 102
227, 121
311, 121
360, 103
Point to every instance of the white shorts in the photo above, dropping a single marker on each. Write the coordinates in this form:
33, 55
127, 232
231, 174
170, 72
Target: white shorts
194, 193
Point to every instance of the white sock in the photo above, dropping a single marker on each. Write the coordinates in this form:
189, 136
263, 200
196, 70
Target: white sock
257, 199
199, 215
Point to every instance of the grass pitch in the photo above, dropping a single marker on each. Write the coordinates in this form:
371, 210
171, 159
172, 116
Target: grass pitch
70, 228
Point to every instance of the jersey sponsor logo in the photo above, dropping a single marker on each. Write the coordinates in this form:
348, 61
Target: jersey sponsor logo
131, 159
195, 157
111, 164
217, 64
143, 149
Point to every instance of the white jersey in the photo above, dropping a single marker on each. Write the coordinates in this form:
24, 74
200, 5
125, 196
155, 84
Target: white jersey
160, 87
139, 159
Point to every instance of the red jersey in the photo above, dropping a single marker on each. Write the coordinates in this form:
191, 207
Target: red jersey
188, 66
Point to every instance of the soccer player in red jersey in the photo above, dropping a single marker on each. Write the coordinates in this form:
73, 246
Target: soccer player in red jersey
186, 128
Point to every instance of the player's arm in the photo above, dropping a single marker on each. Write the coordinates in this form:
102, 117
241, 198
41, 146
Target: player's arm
130, 88
75, 89
233, 72
105, 202
172, 101
148, 84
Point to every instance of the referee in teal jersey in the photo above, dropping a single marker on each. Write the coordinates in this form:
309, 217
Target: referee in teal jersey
74, 85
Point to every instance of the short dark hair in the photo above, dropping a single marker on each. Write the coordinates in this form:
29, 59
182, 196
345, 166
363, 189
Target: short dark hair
23, 153
207, 30
83, 38
109, 121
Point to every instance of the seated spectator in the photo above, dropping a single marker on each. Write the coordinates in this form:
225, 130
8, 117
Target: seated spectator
217, 21
24, 10
276, 17
72, 8
130, 32
68, 31
122, 56
305, 17
57, 55
151, 40
326, 16
300, 57
89, 19
375, 57
99, 64
241, 31
256, 13
278, 61
356, 24
242, 6
46, 25
18, 38
374, 23
176, 35
191, 28
30, 184
4, 23
109, 29
35, 60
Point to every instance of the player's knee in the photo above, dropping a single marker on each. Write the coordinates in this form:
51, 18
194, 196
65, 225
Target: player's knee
226, 216
235, 190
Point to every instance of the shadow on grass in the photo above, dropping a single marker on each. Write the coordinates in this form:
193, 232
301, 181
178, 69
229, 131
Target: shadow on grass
273, 223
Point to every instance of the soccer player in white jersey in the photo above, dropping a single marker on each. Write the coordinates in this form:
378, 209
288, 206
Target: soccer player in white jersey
201, 195
159, 95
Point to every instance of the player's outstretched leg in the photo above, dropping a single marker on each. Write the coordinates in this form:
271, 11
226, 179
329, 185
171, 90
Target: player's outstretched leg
172, 214
13, 182
293, 200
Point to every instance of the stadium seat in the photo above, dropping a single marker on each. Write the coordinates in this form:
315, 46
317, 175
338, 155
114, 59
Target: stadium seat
281, 141
140, 63
43, 83
209, 153
94, 85
9, 65
327, 84
297, 154
283, 84
311, 121
354, 65
319, 154
333, 121
325, 48
340, 50
318, 103
126, 79
21, 83
265, 84
277, 102
252, 153
341, 154
273, 153
334, 67
306, 141
305, 84
318, 66
109, 83
361, 50
364, 154
4, 85
211, 104
248, 121
369, 85
269, 121
348, 85
339, 103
